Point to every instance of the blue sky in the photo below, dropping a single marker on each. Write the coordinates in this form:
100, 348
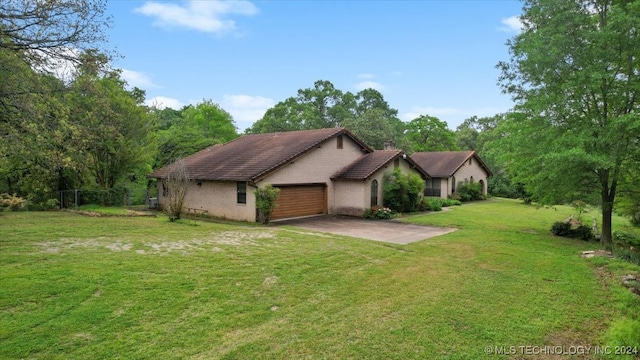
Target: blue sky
426, 57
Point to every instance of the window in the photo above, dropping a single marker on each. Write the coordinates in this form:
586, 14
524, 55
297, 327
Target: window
469, 161
432, 187
339, 141
242, 193
396, 163
453, 184
482, 186
165, 189
374, 193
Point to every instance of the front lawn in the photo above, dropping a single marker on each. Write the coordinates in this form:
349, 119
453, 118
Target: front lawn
80, 287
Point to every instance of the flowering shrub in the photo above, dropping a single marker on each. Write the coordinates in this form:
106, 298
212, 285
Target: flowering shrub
379, 212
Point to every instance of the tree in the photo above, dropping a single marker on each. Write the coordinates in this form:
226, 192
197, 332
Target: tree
574, 74
372, 127
39, 150
192, 129
48, 32
428, 133
323, 106
117, 133
38, 147
176, 187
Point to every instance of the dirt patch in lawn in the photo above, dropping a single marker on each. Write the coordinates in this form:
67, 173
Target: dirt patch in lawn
216, 242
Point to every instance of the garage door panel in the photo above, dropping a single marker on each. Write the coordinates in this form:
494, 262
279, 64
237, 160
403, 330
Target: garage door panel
300, 200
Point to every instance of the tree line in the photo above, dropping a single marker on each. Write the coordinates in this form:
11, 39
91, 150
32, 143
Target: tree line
574, 132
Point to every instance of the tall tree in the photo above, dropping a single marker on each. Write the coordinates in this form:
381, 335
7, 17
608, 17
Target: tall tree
366, 113
192, 129
428, 133
48, 32
117, 132
574, 73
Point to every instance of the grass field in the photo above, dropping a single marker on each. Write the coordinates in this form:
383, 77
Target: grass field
78, 287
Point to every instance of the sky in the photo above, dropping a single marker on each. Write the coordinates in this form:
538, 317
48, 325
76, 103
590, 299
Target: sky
426, 57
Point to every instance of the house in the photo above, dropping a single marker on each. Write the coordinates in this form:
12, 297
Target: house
323, 171
447, 168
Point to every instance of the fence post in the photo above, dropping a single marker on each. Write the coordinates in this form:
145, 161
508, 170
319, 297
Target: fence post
76, 198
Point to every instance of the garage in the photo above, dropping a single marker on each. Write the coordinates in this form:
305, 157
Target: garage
300, 200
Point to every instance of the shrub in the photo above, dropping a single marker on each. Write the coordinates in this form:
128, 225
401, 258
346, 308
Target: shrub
51, 204
13, 202
377, 212
468, 191
403, 192
450, 202
626, 246
266, 202
581, 207
564, 229
435, 204
561, 228
582, 232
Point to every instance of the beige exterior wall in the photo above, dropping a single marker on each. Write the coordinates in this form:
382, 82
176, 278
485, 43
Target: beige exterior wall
350, 197
317, 166
353, 197
219, 199
465, 172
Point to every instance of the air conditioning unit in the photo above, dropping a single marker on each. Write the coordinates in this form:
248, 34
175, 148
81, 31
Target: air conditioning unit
152, 203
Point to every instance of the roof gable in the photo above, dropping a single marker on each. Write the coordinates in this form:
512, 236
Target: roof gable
251, 157
369, 164
446, 163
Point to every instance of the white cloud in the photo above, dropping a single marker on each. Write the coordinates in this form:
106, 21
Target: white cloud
206, 16
137, 79
246, 109
511, 24
162, 102
369, 85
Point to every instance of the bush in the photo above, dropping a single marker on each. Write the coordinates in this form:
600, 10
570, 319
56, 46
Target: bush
450, 202
381, 213
564, 229
266, 202
582, 232
13, 202
435, 204
468, 191
561, 228
626, 239
403, 192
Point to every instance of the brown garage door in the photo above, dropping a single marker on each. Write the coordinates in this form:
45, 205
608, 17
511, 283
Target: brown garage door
300, 200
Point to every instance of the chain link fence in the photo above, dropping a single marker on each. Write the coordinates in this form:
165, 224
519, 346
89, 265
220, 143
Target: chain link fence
72, 199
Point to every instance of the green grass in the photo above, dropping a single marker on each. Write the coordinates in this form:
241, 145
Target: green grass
144, 288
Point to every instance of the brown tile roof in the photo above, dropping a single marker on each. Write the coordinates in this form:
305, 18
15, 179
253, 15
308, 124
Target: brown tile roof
251, 157
368, 164
446, 163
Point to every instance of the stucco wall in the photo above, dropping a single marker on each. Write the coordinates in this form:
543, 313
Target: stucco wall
353, 197
219, 199
465, 172
350, 197
317, 166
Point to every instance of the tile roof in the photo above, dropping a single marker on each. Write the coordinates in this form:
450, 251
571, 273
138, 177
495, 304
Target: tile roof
368, 164
250, 157
445, 163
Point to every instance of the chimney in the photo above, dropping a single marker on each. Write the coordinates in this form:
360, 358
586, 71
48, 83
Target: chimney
389, 145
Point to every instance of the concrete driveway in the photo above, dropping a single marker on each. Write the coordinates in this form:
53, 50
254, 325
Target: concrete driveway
380, 230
